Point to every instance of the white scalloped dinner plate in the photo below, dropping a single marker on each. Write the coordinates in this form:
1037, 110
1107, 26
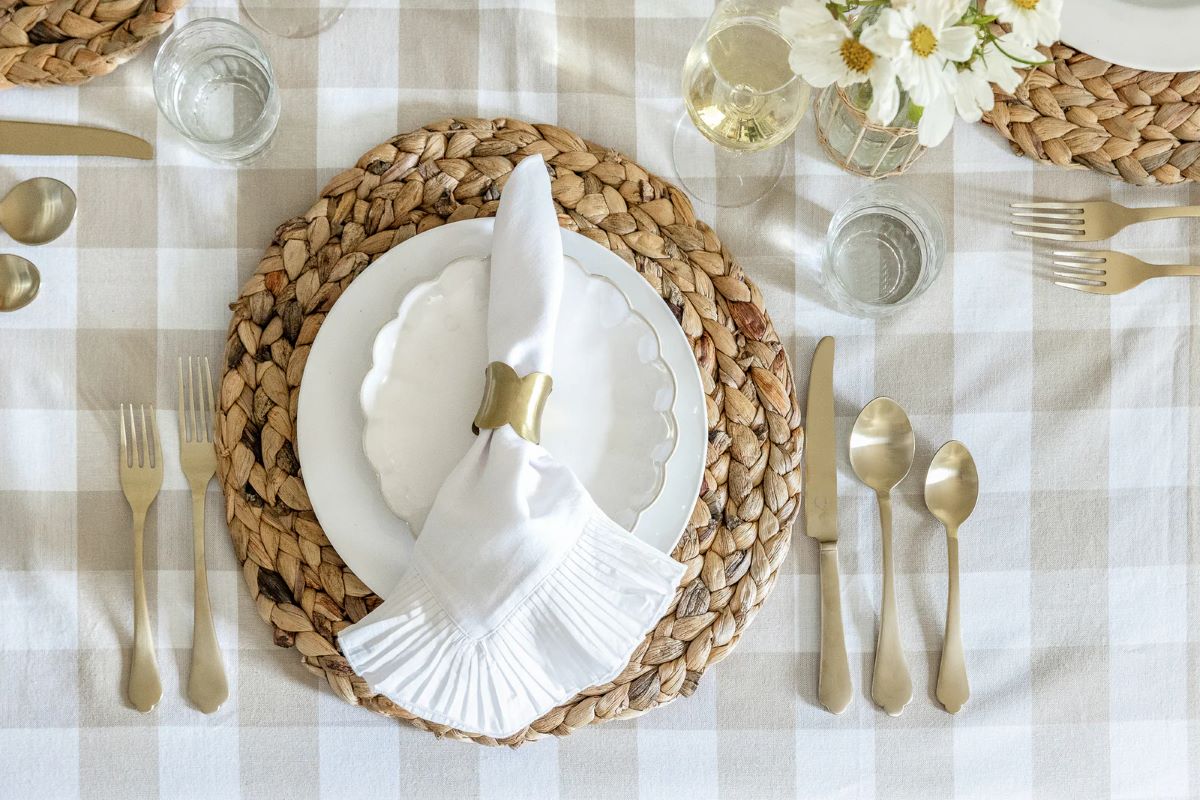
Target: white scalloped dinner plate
1158, 35
610, 417
342, 483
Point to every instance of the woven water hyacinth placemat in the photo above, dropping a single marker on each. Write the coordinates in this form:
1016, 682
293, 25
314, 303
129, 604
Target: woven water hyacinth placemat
453, 170
1079, 111
66, 42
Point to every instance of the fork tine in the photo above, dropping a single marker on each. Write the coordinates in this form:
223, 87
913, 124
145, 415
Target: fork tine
1055, 237
1050, 206
1067, 215
157, 441
1093, 256
210, 416
1071, 227
144, 442
1081, 277
124, 447
182, 417
1081, 287
195, 421
1079, 268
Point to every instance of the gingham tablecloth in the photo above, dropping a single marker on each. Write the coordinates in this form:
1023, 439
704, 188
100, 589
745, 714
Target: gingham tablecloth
1081, 565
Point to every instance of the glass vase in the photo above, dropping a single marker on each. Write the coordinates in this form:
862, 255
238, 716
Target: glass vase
858, 145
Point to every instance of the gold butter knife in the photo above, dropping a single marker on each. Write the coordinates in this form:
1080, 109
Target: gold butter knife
820, 522
50, 139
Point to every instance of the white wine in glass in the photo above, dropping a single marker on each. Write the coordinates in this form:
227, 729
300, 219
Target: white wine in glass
742, 100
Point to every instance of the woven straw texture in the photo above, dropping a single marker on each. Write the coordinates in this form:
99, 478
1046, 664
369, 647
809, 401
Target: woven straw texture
67, 42
453, 170
1141, 127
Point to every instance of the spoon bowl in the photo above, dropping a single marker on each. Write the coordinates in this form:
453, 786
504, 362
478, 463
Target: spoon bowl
882, 444
38, 210
19, 282
952, 485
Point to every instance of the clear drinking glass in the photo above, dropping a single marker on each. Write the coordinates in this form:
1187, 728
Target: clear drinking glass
214, 84
742, 101
885, 247
294, 19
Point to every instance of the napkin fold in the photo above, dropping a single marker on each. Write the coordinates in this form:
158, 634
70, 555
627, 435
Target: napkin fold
521, 592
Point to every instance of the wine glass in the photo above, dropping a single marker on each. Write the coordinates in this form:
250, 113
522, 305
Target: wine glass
742, 100
294, 19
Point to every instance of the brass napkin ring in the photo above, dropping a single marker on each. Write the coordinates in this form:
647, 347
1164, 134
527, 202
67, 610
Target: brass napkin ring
509, 399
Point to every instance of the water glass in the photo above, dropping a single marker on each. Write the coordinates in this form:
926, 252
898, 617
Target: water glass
885, 247
214, 84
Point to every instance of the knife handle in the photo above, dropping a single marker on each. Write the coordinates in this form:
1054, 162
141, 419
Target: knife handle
833, 687
952, 687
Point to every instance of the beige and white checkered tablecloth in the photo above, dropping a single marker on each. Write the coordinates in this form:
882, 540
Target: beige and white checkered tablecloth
1081, 564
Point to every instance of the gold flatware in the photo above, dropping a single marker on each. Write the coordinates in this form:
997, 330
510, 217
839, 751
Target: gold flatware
38, 210
207, 686
951, 489
52, 139
882, 447
1086, 221
141, 478
19, 282
1109, 272
834, 689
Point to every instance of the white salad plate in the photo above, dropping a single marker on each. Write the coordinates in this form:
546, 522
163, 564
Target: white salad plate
609, 417
342, 484
1158, 35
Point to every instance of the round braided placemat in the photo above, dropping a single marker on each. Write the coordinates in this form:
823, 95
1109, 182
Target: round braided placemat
65, 42
452, 170
1079, 111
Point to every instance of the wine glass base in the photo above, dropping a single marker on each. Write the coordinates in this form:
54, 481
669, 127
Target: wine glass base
721, 177
294, 19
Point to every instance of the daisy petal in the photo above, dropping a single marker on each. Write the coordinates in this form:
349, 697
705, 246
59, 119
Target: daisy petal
957, 43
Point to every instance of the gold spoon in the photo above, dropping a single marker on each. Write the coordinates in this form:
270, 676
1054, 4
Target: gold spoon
19, 282
951, 489
882, 447
38, 210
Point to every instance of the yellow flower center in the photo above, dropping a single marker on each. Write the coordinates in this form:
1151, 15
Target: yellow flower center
856, 56
1028, 5
923, 41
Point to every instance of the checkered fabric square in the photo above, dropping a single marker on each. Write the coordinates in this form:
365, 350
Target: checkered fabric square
1081, 565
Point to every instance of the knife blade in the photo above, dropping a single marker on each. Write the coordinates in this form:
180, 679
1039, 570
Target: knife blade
820, 522
51, 139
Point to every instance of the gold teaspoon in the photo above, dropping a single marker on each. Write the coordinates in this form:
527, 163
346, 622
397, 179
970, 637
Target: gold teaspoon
38, 210
951, 489
882, 446
19, 282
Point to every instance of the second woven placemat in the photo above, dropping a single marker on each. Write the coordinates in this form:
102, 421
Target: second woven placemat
1078, 111
453, 170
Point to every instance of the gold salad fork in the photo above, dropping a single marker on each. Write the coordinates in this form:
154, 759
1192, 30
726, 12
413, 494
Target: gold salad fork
1086, 221
1109, 272
207, 686
141, 478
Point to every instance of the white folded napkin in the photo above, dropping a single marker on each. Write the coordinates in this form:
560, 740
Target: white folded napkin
521, 591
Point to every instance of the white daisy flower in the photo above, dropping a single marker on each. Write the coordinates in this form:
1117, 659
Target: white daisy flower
995, 65
805, 20
836, 56
937, 116
921, 38
1033, 22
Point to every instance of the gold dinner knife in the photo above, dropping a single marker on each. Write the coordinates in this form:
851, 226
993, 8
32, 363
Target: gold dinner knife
820, 522
48, 139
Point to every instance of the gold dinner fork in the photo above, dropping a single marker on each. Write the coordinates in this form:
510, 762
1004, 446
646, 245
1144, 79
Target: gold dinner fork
1086, 221
1109, 272
207, 686
141, 478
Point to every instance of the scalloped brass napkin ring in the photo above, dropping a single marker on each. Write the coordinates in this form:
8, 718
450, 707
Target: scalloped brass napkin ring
520, 591
510, 399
